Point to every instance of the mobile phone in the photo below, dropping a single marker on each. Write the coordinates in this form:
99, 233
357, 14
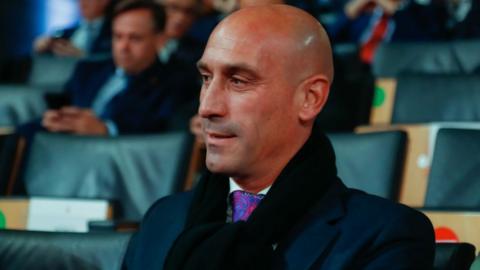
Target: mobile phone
56, 101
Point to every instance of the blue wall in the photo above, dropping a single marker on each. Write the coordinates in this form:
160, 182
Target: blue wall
23, 20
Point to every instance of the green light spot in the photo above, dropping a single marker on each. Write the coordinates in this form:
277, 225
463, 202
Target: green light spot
378, 97
3, 221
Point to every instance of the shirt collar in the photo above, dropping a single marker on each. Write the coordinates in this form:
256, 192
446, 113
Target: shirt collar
119, 72
167, 50
234, 187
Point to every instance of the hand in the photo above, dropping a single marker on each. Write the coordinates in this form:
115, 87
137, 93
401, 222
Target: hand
63, 47
74, 120
354, 8
389, 6
196, 128
42, 44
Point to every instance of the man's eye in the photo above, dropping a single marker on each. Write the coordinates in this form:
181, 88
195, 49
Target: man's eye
237, 81
205, 78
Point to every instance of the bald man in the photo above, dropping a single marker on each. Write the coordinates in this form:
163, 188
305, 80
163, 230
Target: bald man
271, 198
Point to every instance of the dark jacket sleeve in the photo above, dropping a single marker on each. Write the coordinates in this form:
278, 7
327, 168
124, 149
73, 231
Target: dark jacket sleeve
406, 242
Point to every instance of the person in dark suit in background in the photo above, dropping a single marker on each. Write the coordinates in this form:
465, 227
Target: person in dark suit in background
458, 19
134, 92
91, 36
371, 22
271, 198
181, 15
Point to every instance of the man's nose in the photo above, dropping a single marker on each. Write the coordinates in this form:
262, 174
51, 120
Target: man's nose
123, 44
213, 103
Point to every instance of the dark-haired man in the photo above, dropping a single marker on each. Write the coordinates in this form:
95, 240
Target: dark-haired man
134, 93
272, 198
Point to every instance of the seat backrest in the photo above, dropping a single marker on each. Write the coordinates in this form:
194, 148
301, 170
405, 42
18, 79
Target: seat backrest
350, 97
453, 256
371, 162
454, 179
434, 98
9, 157
133, 170
50, 72
22, 250
459, 57
20, 104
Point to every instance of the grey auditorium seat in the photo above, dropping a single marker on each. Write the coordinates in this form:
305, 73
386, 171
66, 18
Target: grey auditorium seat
453, 256
437, 98
50, 73
454, 180
9, 145
133, 170
26, 250
20, 104
458, 57
371, 162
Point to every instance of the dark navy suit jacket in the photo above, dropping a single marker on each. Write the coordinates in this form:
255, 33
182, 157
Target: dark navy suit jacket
150, 103
348, 229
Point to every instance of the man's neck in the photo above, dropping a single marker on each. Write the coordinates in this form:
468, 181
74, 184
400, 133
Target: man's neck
136, 73
274, 165
234, 186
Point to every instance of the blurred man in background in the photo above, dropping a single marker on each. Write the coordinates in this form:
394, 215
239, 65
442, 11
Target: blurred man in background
181, 15
134, 92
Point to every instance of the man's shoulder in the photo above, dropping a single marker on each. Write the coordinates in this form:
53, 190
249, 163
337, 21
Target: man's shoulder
169, 213
176, 204
366, 230
161, 225
375, 214
95, 66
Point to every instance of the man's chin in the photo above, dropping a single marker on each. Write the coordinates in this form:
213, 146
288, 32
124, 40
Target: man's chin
217, 164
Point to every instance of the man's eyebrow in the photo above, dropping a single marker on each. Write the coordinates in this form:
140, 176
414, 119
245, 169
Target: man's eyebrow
201, 65
241, 67
232, 68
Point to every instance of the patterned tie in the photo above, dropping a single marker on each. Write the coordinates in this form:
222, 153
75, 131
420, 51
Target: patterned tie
243, 204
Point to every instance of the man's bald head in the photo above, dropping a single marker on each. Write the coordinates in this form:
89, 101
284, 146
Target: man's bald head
266, 75
297, 35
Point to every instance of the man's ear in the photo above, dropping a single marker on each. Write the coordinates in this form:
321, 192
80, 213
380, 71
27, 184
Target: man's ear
314, 93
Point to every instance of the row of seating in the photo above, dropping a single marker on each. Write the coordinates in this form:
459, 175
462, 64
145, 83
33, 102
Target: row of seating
134, 170
406, 99
458, 57
53, 250
21, 103
140, 169
430, 91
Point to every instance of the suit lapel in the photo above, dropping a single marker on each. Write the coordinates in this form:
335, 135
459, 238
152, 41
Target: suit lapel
313, 238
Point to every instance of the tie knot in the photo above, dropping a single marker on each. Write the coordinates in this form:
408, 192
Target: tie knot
243, 204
